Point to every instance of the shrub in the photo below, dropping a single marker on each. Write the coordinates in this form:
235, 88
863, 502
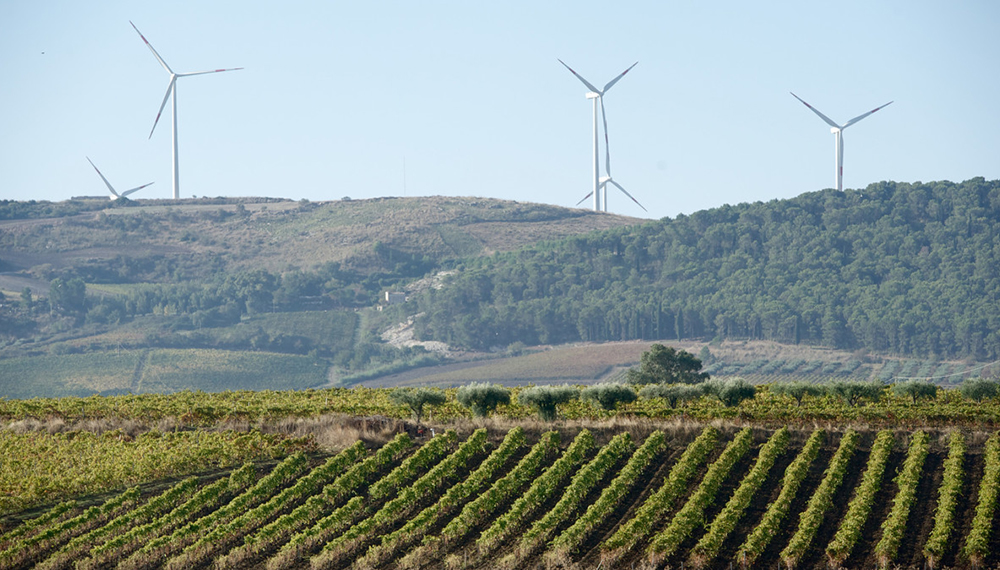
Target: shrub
417, 398
608, 395
545, 399
482, 398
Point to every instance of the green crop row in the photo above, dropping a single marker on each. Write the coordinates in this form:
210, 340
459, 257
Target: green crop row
291, 552
541, 490
33, 546
207, 497
485, 505
674, 485
692, 514
263, 489
404, 502
350, 482
948, 494
611, 496
861, 503
821, 500
37, 524
977, 543
455, 497
154, 508
724, 523
414, 465
906, 482
346, 484
761, 536
579, 487
345, 516
306, 486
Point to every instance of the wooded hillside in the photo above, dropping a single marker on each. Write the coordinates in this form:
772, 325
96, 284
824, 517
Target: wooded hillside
907, 268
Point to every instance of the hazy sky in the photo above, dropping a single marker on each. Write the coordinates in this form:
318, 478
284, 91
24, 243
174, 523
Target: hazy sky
336, 96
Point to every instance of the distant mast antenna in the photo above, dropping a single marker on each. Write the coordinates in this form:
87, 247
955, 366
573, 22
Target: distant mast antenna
404, 176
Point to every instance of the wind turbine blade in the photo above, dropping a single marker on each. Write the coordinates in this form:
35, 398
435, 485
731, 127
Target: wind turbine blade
136, 189
859, 117
589, 194
616, 79
578, 76
211, 71
607, 148
821, 115
170, 89
108, 184
629, 195
150, 46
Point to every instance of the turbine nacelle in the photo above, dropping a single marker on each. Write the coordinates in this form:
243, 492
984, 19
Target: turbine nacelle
600, 183
838, 140
172, 94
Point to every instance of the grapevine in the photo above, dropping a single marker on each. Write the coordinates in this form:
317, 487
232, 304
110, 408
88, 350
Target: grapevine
581, 484
724, 523
765, 530
611, 496
821, 501
692, 513
861, 504
544, 487
977, 544
674, 485
906, 481
944, 514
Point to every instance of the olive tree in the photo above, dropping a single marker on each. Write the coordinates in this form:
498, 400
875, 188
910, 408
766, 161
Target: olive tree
797, 390
980, 389
673, 393
607, 396
853, 391
545, 399
417, 398
730, 391
482, 398
915, 389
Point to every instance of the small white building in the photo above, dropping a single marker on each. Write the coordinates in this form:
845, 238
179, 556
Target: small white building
395, 297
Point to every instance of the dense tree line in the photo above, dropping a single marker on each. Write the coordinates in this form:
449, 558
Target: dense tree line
904, 268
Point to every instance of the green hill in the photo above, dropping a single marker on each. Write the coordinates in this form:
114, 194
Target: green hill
262, 278
907, 269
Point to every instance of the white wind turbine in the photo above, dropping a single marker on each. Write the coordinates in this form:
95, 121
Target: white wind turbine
601, 183
114, 194
172, 91
838, 138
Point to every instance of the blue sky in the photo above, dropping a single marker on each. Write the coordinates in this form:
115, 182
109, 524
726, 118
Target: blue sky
336, 96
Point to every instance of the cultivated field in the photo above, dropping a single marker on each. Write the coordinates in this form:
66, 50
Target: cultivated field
633, 494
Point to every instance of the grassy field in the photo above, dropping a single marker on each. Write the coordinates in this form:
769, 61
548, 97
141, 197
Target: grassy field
218, 370
757, 361
68, 375
163, 371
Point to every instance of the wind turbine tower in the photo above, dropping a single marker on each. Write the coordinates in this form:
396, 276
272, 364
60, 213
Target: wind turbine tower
172, 94
601, 184
838, 139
